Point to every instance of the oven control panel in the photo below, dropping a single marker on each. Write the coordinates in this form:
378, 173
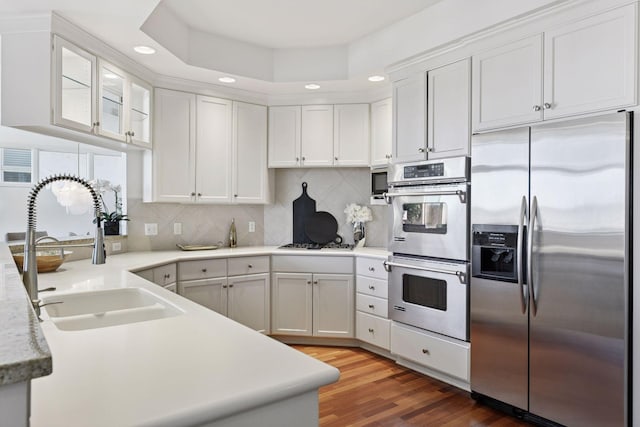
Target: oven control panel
424, 171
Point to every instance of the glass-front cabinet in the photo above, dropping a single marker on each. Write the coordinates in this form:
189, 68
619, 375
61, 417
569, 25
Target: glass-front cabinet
92, 95
75, 83
124, 106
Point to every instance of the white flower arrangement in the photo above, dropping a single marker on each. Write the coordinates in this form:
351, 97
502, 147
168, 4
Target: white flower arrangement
356, 213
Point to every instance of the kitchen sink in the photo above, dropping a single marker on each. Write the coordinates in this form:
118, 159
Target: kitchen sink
110, 307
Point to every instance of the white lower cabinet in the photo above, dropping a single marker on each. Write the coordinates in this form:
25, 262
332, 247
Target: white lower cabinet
433, 351
242, 297
313, 304
372, 307
248, 301
163, 275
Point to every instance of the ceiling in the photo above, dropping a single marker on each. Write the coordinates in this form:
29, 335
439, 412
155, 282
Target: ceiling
304, 32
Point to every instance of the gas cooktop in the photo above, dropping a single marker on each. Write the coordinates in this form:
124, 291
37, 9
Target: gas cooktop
330, 246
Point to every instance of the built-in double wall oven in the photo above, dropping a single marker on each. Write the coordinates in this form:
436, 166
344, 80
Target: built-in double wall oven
429, 268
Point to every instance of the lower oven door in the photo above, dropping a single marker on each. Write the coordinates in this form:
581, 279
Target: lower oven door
429, 294
431, 221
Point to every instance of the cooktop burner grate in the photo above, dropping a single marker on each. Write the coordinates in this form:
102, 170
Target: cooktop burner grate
338, 246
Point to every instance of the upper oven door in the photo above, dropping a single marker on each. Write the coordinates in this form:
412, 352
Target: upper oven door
431, 221
430, 295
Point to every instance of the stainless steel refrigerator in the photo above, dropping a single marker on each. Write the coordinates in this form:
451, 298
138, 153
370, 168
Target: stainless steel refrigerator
550, 297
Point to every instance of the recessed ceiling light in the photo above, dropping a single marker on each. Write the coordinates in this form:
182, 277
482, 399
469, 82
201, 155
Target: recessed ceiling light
145, 50
376, 78
312, 86
227, 79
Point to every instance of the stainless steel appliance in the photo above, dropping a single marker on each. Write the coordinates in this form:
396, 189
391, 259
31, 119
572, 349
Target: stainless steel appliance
430, 208
379, 185
551, 218
430, 294
429, 269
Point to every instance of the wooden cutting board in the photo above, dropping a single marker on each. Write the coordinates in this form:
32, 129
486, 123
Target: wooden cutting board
303, 207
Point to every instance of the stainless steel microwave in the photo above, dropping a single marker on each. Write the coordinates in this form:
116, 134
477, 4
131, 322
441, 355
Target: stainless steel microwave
379, 185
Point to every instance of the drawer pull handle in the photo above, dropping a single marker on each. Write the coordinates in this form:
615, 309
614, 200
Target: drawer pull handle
371, 330
425, 351
372, 269
371, 306
373, 288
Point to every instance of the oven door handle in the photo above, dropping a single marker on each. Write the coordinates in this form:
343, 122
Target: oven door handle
462, 276
459, 193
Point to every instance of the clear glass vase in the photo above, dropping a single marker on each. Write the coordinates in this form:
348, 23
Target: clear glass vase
358, 234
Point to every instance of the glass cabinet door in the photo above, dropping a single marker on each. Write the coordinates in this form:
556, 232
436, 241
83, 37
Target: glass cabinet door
111, 108
74, 86
140, 113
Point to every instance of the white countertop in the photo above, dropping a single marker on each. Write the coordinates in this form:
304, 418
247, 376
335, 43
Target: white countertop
195, 367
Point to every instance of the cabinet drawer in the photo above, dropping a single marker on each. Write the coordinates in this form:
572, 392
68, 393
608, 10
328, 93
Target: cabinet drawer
373, 330
371, 267
374, 287
434, 351
165, 274
312, 264
372, 305
202, 269
248, 265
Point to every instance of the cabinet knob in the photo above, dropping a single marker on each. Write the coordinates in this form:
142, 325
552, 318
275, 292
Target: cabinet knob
387, 156
250, 266
224, 286
297, 159
315, 282
536, 108
372, 269
546, 105
231, 286
371, 306
371, 330
420, 150
429, 149
308, 282
235, 195
335, 158
425, 351
204, 270
304, 158
132, 133
193, 194
372, 287
199, 194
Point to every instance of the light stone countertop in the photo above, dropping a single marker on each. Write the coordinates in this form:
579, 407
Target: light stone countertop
24, 353
184, 370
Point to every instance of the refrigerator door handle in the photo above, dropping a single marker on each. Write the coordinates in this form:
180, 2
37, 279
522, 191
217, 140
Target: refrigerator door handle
533, 213
524, 296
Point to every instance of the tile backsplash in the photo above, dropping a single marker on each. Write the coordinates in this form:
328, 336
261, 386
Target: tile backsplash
201, 224
332, 189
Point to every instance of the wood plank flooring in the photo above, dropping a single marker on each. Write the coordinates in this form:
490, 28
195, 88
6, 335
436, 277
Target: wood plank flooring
374, 391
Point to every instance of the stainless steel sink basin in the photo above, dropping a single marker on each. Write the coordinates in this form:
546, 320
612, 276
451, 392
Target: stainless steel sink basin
109, 307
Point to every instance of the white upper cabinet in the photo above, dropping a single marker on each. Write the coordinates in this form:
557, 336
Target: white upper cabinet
583, 67
213, 150
317, 135
507, 86
249, 150
284, 136
124, 106
381, 134
351, 135
74, 80
208, 150
410, 118
590, 65
173, 164
449, 129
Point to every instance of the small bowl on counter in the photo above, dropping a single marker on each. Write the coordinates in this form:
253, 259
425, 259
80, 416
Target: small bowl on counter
47, 260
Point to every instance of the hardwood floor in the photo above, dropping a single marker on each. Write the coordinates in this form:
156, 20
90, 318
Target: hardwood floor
374, 391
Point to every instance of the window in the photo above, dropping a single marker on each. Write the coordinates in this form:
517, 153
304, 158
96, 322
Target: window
16, 165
